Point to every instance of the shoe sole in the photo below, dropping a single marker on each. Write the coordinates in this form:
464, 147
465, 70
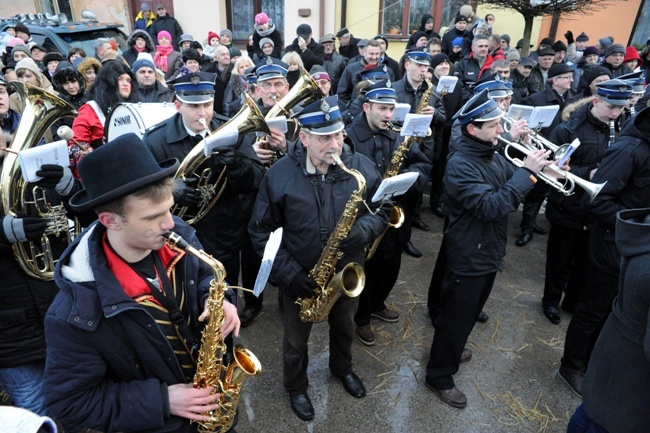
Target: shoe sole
384, 319
557, 373
447, 402
468, 359
365, 342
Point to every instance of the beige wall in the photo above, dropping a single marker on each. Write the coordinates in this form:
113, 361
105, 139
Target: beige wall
197, 17
511, 23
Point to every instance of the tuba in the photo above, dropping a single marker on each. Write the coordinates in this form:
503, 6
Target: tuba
41, 110
210, 371
351, 280
248, 119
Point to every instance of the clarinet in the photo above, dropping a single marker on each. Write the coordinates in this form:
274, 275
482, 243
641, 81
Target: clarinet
612, 132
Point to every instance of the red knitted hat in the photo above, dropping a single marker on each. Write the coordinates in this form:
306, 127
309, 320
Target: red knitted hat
212, 35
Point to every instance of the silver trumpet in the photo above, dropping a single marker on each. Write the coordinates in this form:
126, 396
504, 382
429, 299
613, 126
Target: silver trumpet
538, 141
570, 180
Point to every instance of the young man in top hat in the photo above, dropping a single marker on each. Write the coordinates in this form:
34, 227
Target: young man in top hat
306, 193
120, 331
482, 188
567, 252
372, 138
221, 230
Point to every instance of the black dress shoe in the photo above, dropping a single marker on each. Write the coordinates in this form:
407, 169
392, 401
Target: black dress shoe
572, 378
248, 314
301, 406
552, 314
540, 231
523, 239
482, 317
410, 249
353, 385
437, 210
417, 222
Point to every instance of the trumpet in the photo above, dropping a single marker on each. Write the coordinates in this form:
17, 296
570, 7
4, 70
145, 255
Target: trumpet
570, 180
538, 141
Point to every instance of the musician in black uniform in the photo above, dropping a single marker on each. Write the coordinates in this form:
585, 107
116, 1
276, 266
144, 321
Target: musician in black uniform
305, 195
371, 136
221, 230
567, 259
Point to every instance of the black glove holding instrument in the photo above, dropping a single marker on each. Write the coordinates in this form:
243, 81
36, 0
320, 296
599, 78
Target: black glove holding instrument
302, 286
186, 193
56, 177
21, 229
355, 240
225, 156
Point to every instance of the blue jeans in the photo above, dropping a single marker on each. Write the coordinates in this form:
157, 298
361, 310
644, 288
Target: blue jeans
581, 423
25, 385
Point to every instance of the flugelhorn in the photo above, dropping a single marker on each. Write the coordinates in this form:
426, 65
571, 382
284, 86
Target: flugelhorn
570, 180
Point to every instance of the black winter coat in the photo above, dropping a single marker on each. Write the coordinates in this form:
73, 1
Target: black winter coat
221, 231
351, 50
158, 93
295, 199
568, 211
170, 24
272, 33
347, 88
522, 87
481, 189
448, 39
314, 54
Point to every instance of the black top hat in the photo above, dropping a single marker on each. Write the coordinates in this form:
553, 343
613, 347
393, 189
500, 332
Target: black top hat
117, 169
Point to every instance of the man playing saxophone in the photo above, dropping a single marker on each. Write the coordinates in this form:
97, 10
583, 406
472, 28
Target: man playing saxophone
373, 138
306, 195
121, 333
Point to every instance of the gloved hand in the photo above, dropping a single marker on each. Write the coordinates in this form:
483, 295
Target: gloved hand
55, 177
302, 285
569, 37
355, 240
186, 193
16, 229
225, 156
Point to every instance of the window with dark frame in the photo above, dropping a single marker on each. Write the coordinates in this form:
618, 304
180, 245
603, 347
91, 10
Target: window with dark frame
241, 16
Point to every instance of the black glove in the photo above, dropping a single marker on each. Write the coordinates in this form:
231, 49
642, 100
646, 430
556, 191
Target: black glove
353, 241
16, 229
225, 156
55, 177
186, 193
569, 37
302, 285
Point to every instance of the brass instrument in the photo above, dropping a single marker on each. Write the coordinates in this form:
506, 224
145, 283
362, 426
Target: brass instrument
248, 119
540, 142
570, 180
226, 380
351, 280
41, 110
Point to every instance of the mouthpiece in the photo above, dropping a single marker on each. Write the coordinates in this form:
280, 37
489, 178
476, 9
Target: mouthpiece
175, 240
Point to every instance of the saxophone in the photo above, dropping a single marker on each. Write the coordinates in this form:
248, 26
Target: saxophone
351, 279
396, 217
210, 371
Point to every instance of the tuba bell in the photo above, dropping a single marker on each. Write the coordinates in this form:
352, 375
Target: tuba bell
248, 119
41, 110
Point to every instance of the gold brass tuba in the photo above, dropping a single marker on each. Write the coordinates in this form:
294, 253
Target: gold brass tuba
248, 119
210, 371
41, 110
351, 280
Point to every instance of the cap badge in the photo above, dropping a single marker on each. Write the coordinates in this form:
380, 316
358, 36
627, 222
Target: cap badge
195, 80
325, 108
269, 61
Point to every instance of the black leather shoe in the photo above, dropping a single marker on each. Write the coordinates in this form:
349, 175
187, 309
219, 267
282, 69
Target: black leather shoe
552, 314
410, 249
523, 239
437, 210
572, 378
417, 222
453, 397
540, 231
248, 314
353, 385
301, 406
482, 317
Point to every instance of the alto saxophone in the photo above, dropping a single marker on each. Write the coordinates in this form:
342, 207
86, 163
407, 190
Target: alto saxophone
396, 217
352, 278
227, 380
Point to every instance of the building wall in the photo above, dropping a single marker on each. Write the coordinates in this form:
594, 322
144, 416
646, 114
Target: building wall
201, 17
511, 23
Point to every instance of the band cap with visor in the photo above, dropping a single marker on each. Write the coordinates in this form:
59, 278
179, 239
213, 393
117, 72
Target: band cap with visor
480, 108
194, 88
272, 68
322, 117
617, 92
418, 56
381, 93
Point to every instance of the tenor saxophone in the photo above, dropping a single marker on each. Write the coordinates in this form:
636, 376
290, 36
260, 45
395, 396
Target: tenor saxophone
227, 380
352, 278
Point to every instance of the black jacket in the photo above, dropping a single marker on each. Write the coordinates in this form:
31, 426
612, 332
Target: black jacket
347, 88
297, 200
568, 211
170, 24
351, 50
158, 93
272, 33
547, 97
221, 231
481, 189
131, 54
448, 39
334, 66
220, 85
314, 54
523, 87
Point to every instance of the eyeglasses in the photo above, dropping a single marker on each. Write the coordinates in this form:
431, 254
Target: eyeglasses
266, 85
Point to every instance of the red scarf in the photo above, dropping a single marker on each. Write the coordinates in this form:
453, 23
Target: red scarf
140, 50
132, 284
160, 59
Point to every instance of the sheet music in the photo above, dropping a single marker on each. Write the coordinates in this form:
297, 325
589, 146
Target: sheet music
270, 251
542, 117
516, 112
416, 125
225, 138
572, 148
393, 186
446, 84
401, 110
32, 159
278, 123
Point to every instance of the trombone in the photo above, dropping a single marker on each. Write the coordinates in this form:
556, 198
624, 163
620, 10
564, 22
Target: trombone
570, 180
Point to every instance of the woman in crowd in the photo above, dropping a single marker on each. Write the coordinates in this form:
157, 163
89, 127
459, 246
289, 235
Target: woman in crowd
139, 42
166, 59
27, 71
76, 53
88, 68
233, 97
